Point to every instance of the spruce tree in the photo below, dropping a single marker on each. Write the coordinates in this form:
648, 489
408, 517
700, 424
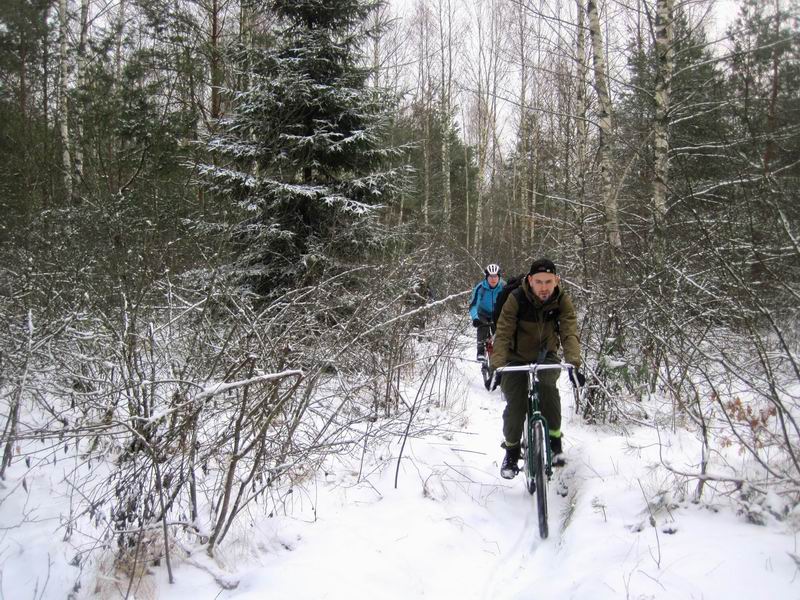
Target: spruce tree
301, 154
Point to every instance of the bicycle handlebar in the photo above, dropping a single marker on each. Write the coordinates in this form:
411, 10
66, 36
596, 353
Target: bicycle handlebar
534, 367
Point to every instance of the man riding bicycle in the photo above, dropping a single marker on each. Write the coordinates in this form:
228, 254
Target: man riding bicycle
537, 318
481, 306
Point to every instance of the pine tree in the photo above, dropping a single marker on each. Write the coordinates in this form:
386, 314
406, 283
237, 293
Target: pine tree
28, 183
765, 81
301, 154
697, 115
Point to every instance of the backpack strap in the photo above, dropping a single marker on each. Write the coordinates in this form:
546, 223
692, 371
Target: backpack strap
520, 297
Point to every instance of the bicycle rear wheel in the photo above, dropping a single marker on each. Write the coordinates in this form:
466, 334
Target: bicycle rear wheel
528, 457
539, 466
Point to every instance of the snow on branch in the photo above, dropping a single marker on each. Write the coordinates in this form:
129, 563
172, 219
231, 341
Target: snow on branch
411, 313
222, 387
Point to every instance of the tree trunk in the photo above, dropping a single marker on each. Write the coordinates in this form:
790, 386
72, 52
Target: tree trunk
446, 54
582, 136
491, 88
771, 149
466, 187
526, 203
489, 54
481, 145
246, 23
119, 35
424, 100
80, 78
604, 123
63, 94
215, 67
664, 68
22, 92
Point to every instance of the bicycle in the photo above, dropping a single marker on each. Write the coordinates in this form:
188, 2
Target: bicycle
486, 370
536, 454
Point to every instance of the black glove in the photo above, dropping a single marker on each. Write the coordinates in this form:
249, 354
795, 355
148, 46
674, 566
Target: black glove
477, 322
578, 378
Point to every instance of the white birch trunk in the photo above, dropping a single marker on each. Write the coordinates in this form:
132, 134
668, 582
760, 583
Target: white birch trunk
63, 93
582, 131
522, 36
493, 87
80, 77
446, 54
528, 219
604, 123
489, 56
215, 65
423, 95
664, 68
772, 118
533, 163
466, 184
481, 143
119, 36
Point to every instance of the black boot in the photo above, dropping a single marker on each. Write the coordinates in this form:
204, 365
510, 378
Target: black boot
509, 468
557, 451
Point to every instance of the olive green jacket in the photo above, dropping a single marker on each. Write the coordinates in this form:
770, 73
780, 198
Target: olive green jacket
521, 334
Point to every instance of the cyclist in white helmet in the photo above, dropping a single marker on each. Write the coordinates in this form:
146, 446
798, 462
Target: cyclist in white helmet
481, 306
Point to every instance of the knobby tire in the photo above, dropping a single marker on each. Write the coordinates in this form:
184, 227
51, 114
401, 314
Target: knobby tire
487, 376
527, 458
539, 461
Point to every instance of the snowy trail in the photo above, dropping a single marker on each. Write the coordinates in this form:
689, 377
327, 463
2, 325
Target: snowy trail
528, 558
453, 529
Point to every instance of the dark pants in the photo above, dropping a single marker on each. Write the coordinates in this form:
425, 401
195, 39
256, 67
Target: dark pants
515, 391
484, 332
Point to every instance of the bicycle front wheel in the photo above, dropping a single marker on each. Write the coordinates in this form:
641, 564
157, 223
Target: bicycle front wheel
486, 372
528, 457
539, 451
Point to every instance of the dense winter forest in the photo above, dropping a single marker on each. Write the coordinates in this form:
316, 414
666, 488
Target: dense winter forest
227, 225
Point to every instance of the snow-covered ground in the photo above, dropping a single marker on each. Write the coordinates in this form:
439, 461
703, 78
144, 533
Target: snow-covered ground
454, 529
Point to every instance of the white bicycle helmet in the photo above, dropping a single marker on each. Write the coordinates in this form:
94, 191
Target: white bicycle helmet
492, 269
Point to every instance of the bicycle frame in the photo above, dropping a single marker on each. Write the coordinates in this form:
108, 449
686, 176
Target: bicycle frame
488, 345
536, 428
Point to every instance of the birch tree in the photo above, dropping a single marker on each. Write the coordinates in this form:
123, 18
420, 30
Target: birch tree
526, 146
604, 124
80, 82
445, 18
215, 59
63, 98
119, 36
664, 68
486, 77
582, 131
423, 30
